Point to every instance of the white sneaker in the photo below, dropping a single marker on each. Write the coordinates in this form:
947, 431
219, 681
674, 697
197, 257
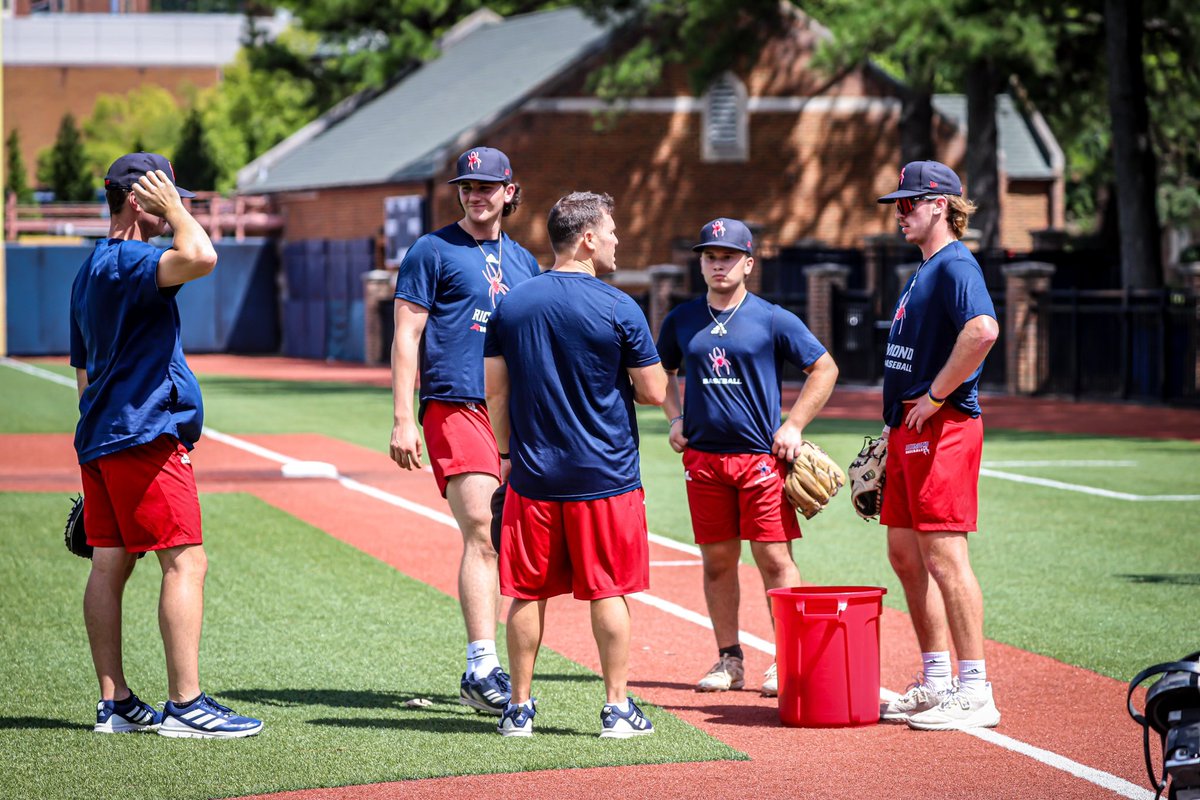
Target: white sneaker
728, 673
919, 696
770, 686
960, 709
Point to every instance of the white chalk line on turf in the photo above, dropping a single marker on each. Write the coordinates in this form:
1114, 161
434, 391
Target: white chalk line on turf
38, 372
1098, 777
1092, 490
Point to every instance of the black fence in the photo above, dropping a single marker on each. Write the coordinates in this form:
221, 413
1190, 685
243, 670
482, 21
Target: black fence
1121, 344
860, 339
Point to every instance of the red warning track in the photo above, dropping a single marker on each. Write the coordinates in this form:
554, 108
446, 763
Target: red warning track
1065, 711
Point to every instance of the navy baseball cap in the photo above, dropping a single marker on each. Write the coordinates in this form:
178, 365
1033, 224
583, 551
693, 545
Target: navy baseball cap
126, 170
483, 164
919, 178
725, 232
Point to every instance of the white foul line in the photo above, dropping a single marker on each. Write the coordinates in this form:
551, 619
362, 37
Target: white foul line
1072, 487
38, 372
1100, 778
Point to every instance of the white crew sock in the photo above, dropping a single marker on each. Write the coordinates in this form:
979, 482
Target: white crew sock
936, 667
481, 658
622, 706
972, 674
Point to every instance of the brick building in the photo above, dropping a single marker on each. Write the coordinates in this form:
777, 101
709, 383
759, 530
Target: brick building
799, 156
56, 63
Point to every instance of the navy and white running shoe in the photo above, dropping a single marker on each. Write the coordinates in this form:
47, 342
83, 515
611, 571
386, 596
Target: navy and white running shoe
140, 717
489, 694
617, 724
206, 719
517, 720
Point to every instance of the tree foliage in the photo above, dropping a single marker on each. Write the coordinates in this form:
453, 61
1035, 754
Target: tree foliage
64, 168
16, 181
195, 166
252, 110
365, 44
146, 118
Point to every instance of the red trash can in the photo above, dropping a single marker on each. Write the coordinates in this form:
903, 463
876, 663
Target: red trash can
827, 654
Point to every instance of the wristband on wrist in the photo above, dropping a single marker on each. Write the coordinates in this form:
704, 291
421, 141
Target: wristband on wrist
675, 419
504, 456
937, 401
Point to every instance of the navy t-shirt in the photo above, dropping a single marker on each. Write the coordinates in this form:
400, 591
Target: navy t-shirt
446, 273
567, 339
733, 398
125, 333
939, 299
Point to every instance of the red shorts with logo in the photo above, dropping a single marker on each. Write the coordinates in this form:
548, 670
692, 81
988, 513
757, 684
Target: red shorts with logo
459, 439
738, 495
142, 498
592, 548
933, 476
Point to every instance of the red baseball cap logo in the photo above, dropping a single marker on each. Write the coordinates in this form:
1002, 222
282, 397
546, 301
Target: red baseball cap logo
473, 160
901, 184
718, 228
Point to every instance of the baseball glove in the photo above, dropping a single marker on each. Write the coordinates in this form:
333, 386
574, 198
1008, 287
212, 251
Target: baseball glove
498, 513
74, 535
813, 480
867, 475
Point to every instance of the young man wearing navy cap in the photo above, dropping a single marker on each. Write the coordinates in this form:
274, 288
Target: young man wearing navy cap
140, 414
448, 287
942, 329
567, 356
731, 345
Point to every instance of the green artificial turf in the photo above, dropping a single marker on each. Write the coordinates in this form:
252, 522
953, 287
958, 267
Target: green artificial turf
321, 641
1096, 582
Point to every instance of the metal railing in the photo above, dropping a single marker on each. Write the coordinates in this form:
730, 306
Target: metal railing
239, 217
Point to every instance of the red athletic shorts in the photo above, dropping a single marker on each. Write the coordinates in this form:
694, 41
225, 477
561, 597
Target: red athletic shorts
933, 476
142, 498
734, 495
593, 548
459, 439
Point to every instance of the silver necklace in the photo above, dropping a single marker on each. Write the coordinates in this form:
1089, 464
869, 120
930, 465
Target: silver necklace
722, 328
500, 247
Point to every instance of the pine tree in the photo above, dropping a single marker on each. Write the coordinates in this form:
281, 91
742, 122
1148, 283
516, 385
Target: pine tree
64, 167
15, 180
195, 165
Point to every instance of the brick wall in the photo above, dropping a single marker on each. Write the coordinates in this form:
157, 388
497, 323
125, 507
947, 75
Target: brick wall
1025, 207
35, 98
346, 213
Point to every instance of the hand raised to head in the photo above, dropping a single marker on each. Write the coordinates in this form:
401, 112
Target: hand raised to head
156, 194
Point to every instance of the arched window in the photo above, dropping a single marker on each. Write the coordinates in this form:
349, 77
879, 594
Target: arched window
726, 123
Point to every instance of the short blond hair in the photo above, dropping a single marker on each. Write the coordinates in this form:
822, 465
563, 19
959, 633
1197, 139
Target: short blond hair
958, 212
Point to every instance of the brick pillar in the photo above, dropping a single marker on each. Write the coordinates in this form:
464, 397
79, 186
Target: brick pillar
1026, 334
665, 280
378, 285
822, 280
1190, 272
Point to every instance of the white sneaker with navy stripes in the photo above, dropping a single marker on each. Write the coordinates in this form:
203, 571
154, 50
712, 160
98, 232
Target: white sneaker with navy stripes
206, 719
618, 724
137, 716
